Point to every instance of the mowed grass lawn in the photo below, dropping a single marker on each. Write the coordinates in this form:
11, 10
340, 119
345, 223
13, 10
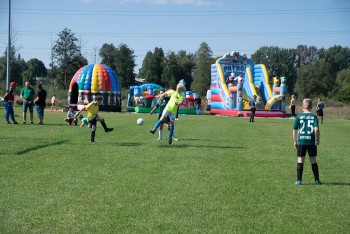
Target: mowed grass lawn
224, 175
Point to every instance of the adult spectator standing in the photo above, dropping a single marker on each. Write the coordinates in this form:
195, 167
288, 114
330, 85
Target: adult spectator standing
40, 103
9, 99
198, 102
292, 107
27, 94
53, 102
319, 110
252, 105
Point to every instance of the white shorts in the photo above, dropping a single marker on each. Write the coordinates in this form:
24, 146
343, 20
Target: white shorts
167, 113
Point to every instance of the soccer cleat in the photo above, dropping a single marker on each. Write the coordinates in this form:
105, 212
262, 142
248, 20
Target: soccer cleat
24, 122
109, 129
298, 182
317, 182
152, 131
159, 139
175, 139
8, 122
170, 140
92, 141
15, 122
31, 122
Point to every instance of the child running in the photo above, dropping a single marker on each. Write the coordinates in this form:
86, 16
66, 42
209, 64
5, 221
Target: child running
306, 135
92, 109
176, 98
161, 104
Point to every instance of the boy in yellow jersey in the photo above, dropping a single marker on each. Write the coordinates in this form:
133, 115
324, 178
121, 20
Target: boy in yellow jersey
92, 109
176, 98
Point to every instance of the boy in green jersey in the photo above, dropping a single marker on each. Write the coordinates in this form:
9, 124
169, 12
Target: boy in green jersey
306, 135
176, 98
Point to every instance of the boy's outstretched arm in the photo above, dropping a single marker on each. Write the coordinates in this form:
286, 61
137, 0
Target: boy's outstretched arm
318, 134
295, 138
154, 108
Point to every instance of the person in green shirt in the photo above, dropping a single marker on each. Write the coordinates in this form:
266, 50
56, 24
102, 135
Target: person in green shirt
306, 135
92, 110
176, 97
27, 95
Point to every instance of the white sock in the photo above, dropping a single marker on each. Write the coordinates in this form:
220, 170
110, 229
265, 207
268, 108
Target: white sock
160, 134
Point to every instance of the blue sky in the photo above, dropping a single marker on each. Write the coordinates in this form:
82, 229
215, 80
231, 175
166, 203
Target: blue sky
174, 25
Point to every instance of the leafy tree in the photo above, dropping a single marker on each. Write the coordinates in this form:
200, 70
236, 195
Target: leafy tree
306, 55
67, 54
171, 71
285, 62
343, 77
145, 64
201, 78
154, 65
344, 94
35, 68
125, 61
342, 91
315, 79
108, 54
18, 65
337, 56
270, 57
186, 64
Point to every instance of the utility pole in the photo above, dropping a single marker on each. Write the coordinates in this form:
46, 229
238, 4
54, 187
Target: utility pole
8, 50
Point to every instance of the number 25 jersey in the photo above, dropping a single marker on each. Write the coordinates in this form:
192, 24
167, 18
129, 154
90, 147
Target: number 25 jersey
306, 123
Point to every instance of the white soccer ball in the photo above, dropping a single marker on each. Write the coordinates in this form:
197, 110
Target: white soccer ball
140, 121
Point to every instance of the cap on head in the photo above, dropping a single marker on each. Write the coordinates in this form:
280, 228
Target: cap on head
13, 84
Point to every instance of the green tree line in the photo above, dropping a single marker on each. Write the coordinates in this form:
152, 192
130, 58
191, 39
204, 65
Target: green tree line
309, 71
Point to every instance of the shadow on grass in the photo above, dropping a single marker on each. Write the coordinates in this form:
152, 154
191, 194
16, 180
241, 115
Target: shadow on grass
175, 145
128, 144
40, 147
336, 183
201, 139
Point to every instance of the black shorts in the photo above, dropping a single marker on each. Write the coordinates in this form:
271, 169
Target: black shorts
319, 112
311, 150
166, 120
93, 121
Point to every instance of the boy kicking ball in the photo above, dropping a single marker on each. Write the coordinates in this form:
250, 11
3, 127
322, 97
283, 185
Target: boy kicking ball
176, 98
306, 135
92, 109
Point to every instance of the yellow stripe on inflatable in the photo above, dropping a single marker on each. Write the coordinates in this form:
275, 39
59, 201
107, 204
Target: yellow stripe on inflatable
272, 101
251, 83
222, 78
266, 79
94, 80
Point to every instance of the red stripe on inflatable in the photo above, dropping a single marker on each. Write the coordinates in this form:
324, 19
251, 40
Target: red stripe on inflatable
263, 114
215, 98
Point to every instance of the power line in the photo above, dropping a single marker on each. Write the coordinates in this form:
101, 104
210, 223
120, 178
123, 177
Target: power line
192, 34
168, 13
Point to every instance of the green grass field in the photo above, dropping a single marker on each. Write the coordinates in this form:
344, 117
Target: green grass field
224, 175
